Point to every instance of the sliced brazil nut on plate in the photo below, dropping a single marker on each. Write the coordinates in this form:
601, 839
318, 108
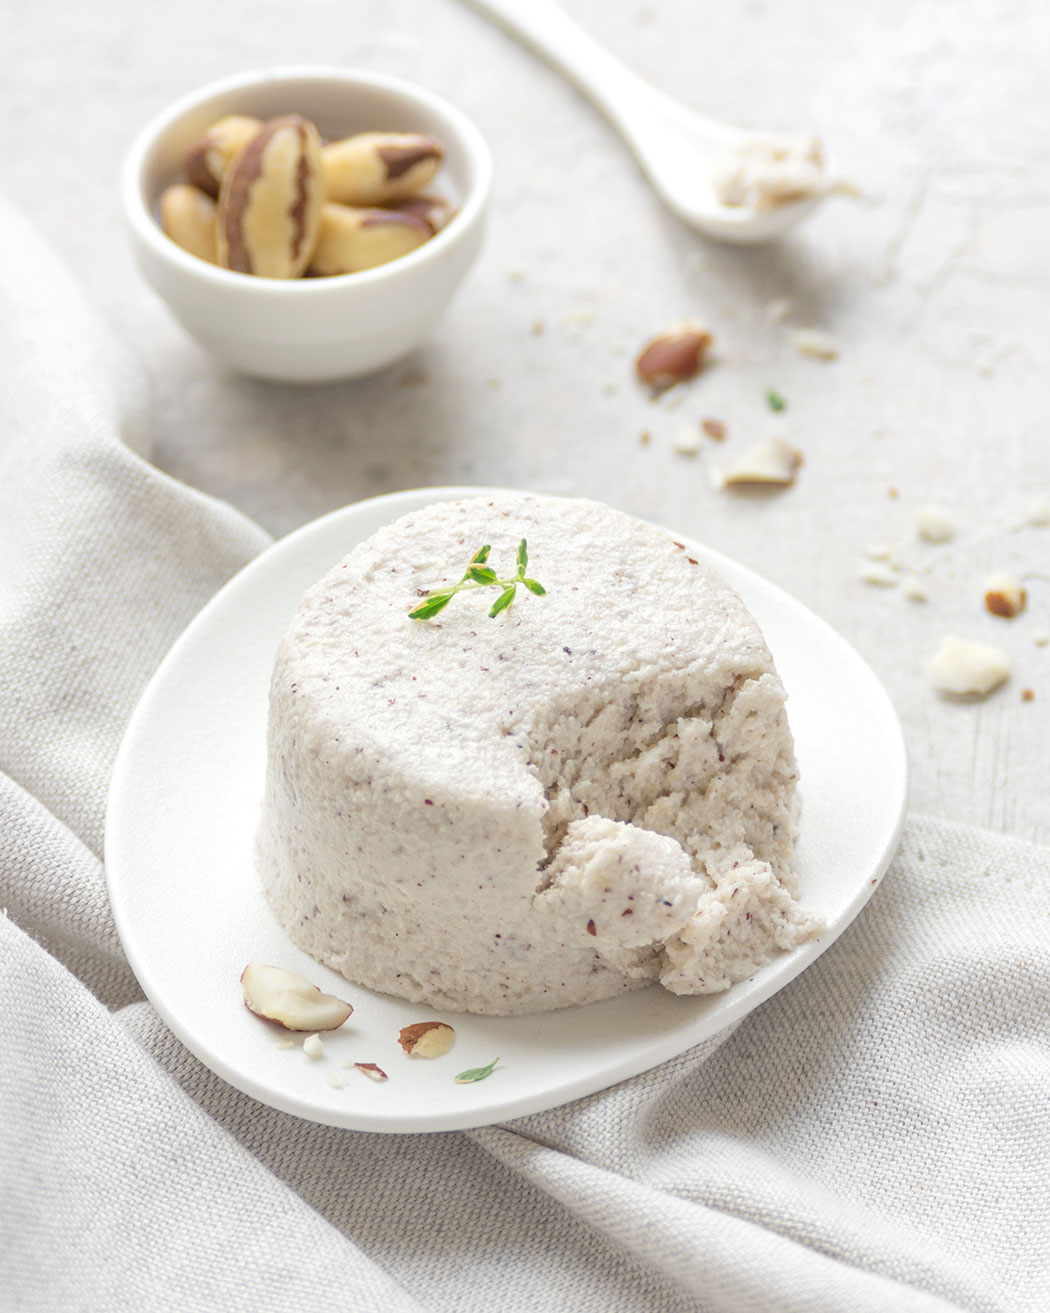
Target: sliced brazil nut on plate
291, 1001
426, 1039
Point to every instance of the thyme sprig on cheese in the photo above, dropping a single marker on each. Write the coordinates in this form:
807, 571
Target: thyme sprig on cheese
480, 574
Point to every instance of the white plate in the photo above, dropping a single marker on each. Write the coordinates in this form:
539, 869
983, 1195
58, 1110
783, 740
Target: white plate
180, 827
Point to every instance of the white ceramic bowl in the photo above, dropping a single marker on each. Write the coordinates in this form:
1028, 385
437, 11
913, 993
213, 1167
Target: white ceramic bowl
310, 329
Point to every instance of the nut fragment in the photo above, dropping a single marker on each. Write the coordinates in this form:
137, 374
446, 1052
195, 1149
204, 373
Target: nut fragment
933, 525
674, 356
913, 588
1037, 512
686, 440
370, 1070
379, 168
960, 666
189, 218
313, 1047
353, 239
210, 155
769, 462
881, 574
1004, 596
270, 202
291, 1001
426, 1039
812, 342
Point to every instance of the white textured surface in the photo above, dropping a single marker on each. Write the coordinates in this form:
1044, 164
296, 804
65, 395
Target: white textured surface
934, 285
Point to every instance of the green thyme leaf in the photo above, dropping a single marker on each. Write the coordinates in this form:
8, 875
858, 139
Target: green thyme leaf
503, 601
776, 401
480, 575
475, 1074
433, 604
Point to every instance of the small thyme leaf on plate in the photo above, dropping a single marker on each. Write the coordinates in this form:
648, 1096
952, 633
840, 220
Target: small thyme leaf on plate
775, 400
475, 1073
480, 575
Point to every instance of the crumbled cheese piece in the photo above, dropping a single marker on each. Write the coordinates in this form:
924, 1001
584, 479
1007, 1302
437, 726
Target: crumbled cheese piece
685, 440
960, 666
1004, 595
933, 525
313, 1046
813, 342
1037, 512
771, 461
627, 887
882, 576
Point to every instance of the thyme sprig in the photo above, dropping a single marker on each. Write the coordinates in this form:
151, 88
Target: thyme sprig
480, 574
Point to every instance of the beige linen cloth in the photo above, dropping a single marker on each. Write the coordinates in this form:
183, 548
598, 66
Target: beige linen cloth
875, 1139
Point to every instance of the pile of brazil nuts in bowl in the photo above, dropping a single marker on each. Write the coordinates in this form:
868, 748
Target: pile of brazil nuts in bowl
273, 199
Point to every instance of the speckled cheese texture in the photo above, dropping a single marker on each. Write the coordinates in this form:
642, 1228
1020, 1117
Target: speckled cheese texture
592, 791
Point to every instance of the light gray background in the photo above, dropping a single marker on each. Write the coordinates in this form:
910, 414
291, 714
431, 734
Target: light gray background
934, 284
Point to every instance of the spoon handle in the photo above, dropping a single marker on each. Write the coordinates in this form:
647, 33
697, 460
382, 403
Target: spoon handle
630, 103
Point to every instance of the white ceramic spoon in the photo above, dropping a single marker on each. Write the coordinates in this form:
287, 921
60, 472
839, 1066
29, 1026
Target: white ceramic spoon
675, 146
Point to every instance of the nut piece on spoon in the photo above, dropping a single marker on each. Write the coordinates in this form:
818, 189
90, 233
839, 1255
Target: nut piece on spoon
284, 997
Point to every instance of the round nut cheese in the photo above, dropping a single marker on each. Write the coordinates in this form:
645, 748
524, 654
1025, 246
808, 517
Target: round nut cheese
591, 791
